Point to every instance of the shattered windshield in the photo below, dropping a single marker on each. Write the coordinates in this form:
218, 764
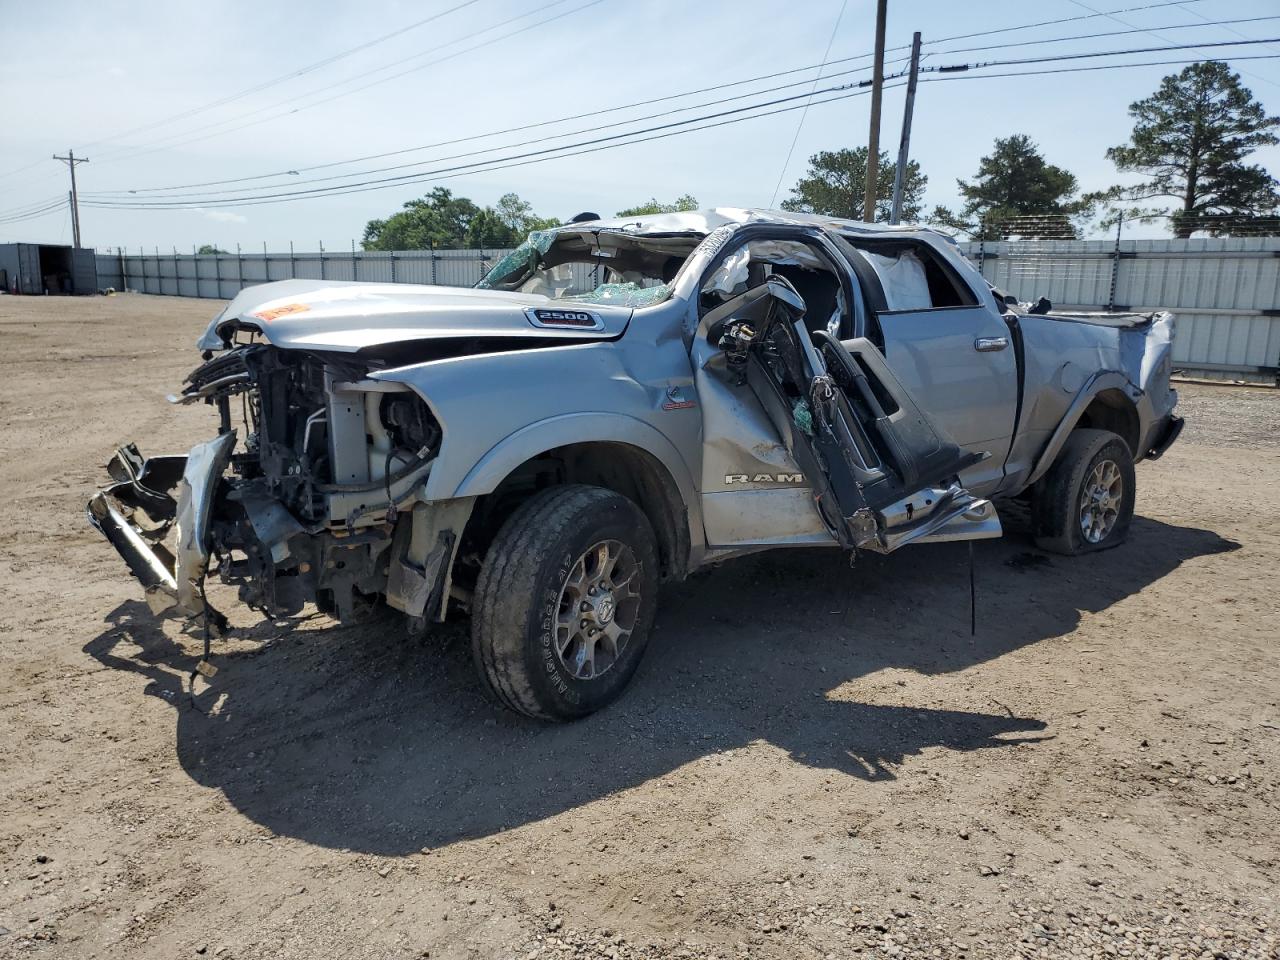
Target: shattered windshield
593, 266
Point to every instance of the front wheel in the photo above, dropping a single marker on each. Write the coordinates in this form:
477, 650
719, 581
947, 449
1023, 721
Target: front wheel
1085, 502
564, 602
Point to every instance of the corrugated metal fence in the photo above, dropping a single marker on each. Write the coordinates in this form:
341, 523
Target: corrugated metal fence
223, 275
1226, 292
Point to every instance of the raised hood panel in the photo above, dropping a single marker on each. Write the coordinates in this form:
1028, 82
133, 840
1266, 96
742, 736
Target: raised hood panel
345, 316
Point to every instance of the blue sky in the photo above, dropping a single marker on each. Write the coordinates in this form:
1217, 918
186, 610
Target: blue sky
88, 75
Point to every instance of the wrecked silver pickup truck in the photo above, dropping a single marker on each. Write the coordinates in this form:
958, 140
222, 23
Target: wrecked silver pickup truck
618, 403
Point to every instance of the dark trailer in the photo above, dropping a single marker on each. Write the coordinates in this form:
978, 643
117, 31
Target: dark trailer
42, 268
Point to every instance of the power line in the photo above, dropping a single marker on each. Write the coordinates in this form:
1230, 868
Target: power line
23, 208
284, 77
570, 150
1109, 33
414, 177
112, 155
1213, 23
500, 163
1112, 16
803, 113
523, 127
164, 142
1060, 20
29, 166
234, 197
308, 106
982, 33
1103, 66
35, 214
667, 98
1101, 53
101, 195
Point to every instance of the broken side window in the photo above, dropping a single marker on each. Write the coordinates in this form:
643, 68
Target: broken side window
826, 305
519, 262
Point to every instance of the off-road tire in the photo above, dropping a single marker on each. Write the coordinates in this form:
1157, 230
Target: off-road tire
1056, 500
518, 594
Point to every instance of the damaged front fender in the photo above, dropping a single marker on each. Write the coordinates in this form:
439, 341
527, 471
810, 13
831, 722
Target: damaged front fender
137, 513
205, 464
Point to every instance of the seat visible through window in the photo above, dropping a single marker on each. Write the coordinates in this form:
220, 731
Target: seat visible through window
820, 290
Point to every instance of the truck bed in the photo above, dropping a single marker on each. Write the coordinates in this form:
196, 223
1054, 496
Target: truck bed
1124, 321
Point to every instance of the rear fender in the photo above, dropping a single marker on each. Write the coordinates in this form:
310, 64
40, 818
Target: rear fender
1103, 380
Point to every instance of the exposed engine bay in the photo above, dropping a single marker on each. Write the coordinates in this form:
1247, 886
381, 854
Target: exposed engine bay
319, 463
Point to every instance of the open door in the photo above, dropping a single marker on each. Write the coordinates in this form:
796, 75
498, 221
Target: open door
883, 474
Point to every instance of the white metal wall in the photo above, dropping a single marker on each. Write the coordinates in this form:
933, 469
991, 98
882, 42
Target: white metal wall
1225, 291
223, 275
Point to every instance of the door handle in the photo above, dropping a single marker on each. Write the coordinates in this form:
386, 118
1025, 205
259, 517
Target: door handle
990, 344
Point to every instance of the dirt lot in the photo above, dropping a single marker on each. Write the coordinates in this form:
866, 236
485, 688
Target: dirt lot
813, 760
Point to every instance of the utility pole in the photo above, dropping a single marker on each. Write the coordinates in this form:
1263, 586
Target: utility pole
71, 160
904, 145
873, 138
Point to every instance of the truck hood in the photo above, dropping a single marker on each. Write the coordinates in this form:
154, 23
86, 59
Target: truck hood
345, 317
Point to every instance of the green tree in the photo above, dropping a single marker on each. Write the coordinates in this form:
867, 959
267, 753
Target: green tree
519, 216
1015, 181
207, 248
439, 218
836, 182
488, 229
679, 205
1190, 140
444, 220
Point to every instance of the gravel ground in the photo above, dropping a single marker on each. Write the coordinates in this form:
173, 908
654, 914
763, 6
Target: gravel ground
1237, 416
813, 761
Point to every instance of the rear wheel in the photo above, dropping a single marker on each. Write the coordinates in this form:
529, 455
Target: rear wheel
564, 602
1085, 502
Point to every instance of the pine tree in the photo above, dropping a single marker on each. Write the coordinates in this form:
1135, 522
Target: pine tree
1190, 141
1017, 191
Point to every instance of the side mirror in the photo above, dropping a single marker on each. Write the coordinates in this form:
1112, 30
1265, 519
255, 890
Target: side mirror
785, 296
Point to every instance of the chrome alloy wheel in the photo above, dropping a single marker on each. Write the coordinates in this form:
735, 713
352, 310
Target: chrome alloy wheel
1100, 501
599, 603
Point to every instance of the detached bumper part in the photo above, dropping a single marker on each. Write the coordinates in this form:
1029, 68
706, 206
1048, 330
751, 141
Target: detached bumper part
151, 564
1165, 437
137, 513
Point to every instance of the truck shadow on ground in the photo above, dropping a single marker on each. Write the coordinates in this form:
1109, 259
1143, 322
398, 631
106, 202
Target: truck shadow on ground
356, 738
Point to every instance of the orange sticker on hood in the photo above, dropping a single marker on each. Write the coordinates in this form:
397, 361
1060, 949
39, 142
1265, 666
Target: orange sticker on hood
274, 312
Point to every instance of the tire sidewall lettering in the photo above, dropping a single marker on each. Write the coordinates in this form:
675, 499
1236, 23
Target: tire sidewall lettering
548, 604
